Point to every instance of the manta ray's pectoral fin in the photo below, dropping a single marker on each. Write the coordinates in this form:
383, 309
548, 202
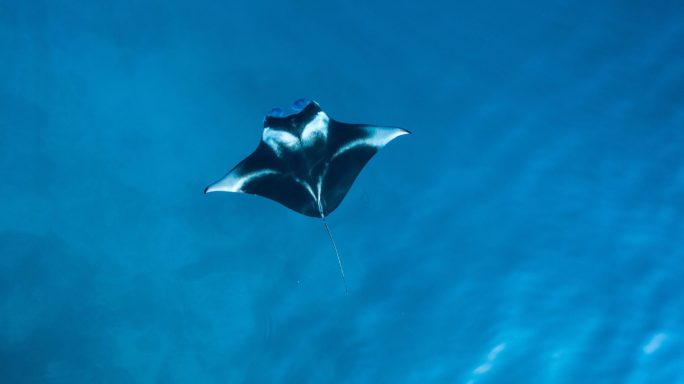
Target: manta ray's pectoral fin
353, 146
260, 174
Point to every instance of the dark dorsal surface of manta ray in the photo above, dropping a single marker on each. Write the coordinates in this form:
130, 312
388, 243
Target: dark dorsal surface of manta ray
307, 161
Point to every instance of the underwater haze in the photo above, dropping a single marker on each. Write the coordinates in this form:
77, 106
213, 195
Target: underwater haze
530, 230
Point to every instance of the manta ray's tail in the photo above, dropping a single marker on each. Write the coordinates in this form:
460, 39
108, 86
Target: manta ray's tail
337, 253
339, 261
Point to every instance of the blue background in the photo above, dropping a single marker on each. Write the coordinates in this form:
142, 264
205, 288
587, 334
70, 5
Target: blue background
529, 231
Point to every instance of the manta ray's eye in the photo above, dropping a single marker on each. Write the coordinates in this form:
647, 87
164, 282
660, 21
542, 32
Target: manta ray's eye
299, 104
276, 112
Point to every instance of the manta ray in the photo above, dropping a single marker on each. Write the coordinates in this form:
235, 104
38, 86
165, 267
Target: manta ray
307, 161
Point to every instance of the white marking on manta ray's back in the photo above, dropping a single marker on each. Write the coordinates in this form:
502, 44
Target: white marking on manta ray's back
316, 129
306, 186
233, 183
377, 137
319, 186
277, 139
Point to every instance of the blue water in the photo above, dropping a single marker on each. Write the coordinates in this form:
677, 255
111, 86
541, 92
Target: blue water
529, 231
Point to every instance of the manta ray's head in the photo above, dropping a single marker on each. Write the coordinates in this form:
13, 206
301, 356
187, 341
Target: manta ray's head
303, 111
303, 129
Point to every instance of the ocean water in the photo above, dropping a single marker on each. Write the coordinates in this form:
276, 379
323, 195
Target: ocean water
529, 231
